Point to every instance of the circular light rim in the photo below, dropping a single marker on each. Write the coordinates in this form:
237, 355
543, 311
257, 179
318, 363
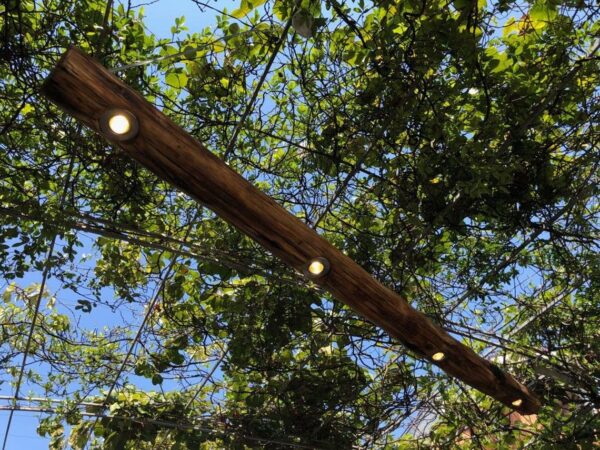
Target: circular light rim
110, 134
313, 276
438, 356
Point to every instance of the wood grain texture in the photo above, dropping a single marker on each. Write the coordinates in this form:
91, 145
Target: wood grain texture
84, 88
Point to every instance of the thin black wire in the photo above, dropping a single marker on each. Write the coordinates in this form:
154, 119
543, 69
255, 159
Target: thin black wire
151, 307
250, 104
45, 275
163, 423
199, 390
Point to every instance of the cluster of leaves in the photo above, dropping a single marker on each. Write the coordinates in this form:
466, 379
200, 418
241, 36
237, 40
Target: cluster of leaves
450, 148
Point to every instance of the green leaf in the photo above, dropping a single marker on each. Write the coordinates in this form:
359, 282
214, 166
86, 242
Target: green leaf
246, 7
157, 379
302, 22
85, 305
27, 109
542, 13
176, 79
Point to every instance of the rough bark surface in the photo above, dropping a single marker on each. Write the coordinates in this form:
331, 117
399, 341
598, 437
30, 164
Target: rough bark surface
84, 88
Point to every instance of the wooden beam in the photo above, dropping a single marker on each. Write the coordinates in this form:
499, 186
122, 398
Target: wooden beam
84, 88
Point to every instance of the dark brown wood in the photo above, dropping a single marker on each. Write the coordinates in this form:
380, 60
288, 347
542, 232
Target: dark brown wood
84, 88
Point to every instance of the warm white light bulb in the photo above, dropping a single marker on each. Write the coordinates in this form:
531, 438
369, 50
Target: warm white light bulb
316, 267
518, 402
438, 356
119, 124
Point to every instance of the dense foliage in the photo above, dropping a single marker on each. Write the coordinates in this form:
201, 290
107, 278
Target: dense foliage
450, 147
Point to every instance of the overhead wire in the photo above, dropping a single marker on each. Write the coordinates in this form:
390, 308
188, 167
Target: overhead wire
38, 301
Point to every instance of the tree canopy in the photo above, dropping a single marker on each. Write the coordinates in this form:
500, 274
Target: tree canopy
450, 148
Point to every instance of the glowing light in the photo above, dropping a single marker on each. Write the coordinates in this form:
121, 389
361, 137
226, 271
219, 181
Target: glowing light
439, 356
119, 124
518, 402
316, 267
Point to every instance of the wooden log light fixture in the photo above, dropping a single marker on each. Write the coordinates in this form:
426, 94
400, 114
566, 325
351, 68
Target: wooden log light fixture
85, 89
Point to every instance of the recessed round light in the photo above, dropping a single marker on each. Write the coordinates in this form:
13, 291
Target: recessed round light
518, 402
316, 267
119, 125
439, 356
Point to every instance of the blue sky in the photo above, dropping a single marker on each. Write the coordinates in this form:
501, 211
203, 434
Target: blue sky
160, 16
